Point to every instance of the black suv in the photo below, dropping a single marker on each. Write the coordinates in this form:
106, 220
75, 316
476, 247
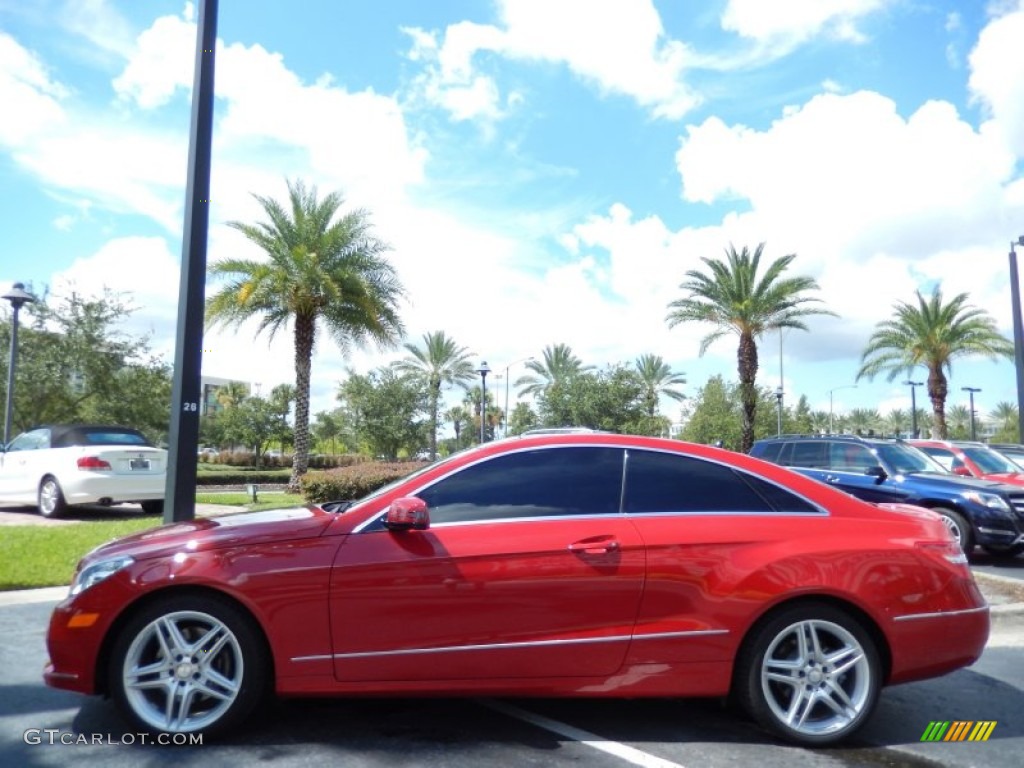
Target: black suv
976, 511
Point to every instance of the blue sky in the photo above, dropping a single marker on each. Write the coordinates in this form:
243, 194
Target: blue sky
545, 170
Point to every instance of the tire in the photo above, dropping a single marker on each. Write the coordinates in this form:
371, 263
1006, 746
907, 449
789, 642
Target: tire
958, 526
152, 507
51, 498
189, 664
809, 673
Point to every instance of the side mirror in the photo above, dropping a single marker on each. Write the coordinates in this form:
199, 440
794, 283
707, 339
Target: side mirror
407, 513
962, 471
876, 472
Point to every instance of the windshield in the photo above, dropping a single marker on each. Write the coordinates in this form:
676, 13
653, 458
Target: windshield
989, 461
904, 459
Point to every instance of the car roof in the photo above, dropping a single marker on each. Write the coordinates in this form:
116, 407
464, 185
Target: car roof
64, 435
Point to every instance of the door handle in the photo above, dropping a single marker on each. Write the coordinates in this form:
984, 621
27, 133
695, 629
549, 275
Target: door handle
601, 545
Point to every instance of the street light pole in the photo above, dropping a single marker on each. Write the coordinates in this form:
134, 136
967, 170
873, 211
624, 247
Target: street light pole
483, 370
1018, 335
778, 397
515, 362
913, 405
18, 297
835, 389
970, 391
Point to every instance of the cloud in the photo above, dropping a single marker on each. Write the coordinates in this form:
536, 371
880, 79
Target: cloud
647, 66
787, 24
997, 77
31, 97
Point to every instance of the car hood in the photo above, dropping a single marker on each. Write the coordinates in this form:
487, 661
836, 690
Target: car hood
218, 532
946, 482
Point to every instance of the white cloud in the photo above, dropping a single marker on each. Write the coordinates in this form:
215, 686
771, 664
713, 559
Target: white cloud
788, 23
647, 65
997, 77
31, 97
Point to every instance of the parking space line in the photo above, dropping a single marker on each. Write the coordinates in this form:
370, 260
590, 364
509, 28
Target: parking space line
629, 754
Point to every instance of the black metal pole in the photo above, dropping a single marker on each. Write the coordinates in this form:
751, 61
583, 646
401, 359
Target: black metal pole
913, 410
11, 362
1018, 339
180, 500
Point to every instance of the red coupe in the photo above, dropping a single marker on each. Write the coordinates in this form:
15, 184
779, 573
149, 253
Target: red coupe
547, 565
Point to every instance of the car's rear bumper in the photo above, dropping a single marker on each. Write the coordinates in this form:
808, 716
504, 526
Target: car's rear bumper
916, 653
94, 488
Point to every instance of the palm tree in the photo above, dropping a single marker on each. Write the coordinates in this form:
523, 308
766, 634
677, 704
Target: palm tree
658, 379
558, 364
735, 299
322, 268
932, 334
439, 361
1004, 418
864, 420
895, 420
459, 417
958, 422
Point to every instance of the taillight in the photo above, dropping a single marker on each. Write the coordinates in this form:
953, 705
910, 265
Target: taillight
948, 550
92, 463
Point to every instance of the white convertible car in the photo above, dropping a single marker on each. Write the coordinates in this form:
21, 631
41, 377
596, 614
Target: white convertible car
58, 466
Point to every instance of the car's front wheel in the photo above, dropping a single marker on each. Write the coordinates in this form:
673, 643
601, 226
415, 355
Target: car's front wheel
959, 527
51, 498
189, 664
810, 673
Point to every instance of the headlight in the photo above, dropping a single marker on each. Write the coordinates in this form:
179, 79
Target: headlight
97, 572
990, 500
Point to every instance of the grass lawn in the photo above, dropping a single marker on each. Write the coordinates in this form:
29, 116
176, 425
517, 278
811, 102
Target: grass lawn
45, 555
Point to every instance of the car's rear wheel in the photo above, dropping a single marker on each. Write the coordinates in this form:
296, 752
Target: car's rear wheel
810, 673
958, 526
51, 498
189, 664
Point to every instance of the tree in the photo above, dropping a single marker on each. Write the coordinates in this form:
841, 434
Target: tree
459, 417
521, 419
716, 414
1003, 421
253, 422
75, 364
897, 422
958, 422
322, 269
863, 421
735, 299
932, 334
658, 379
327, 426
612, 400
439, 361
381, 410
557, 362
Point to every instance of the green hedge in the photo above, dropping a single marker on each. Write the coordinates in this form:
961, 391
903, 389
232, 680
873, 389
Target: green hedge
356, 481
242, 476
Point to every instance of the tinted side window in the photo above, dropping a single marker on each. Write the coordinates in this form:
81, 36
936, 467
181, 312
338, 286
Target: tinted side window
579, 480
668, 482
851, 457
766, 451
809, 453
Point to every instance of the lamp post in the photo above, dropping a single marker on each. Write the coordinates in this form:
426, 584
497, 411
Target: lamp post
835, 389
1018, 335
778, 398
515, 362
970, 391
913, 405
483, 370
18, 297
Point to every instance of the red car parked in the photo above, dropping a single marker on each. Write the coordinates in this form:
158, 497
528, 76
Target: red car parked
591, 564
971, 460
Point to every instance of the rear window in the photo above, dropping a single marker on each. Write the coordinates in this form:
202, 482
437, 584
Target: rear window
99, 436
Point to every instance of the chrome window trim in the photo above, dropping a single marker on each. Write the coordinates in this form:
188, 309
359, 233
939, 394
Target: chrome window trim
940, 614
507, 646
821, 511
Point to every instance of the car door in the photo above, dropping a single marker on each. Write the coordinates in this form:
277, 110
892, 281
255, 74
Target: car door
528, 569
854, 468
705, 527
20, 469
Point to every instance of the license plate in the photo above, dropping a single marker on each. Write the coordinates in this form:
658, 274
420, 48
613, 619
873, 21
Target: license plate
138, 464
